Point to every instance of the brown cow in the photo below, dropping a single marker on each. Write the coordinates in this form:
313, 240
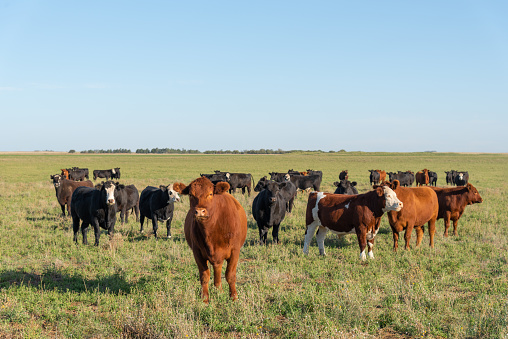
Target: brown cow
453, 202
344, 214
422, 177
382, 175
420, 207
64, 189
65, 173
215, 229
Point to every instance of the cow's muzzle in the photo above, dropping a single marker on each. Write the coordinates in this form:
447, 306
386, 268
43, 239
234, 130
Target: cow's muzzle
201, 213
111, 201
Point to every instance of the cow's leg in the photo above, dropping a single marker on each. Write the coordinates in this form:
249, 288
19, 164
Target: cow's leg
446, 223
407, 236
248, 190
122, 215
275, 233
370, 243
217, 272
97, 231
84, 230
262, 234
395, 240
155, 225
362, 241
320, 238
136, 210
432, 231
309, 234
75, 227
63, 210
204, 275
290, 205
231, 275
419, 235
141, 221
455, 224
168, 227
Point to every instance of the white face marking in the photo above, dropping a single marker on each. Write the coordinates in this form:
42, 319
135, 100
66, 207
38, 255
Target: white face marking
461, 176
173, 195
392, 202
228, 176
113, 171
110, 195
287, 177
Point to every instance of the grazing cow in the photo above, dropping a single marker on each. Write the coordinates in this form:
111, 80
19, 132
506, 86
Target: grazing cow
303, 182
343, 175
432, 178
158, 204
420, 207
94, 207
345, 187
461, 178
269, 207
127, 198
374, 177
215, 229
453, 202
346, 214
107, 174
422, 177
64, 189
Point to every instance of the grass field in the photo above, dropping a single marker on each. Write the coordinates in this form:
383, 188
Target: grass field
135, 286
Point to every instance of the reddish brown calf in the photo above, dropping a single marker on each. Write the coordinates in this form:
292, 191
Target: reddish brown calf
215, 229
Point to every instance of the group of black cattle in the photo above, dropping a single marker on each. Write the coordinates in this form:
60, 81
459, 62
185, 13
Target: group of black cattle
97, 206
80, 174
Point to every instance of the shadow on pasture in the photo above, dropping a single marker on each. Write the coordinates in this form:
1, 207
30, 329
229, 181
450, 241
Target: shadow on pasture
52, 279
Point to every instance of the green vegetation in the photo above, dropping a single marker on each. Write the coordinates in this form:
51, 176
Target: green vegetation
134, 286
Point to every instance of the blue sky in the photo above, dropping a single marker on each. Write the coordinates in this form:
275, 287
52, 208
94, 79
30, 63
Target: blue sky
392, 76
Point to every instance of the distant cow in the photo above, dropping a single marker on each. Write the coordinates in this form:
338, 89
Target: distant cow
347, 214
93, 207
420, 207
450, 177
432, 178
288, 194
269, 207
303, 182
106, 174
343, 175
127, 198
115, 173
406, 179
422, 177
238, 180
461, 178
278, 176
345, 187
453, 202
157, 204
374, 177
64, 189
215, 229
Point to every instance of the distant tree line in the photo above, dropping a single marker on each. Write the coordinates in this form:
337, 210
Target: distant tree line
194, 151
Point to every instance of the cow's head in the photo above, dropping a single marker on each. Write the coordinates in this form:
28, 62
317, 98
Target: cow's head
172, 194
109, 188
272, 188
261, 184
56, 179
345, 187
392, 203
201, 192
287, 177
473, 195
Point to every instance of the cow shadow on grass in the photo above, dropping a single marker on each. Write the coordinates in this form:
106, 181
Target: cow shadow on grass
54, 279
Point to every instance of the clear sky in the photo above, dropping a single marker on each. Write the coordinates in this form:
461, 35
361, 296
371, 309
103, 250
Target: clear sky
373, 75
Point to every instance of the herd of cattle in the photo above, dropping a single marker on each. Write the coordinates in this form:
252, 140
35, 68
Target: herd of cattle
216, 224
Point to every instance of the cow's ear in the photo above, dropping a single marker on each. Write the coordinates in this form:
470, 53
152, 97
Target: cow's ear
380, 191
181, 188
395, 185
353, 183
336, 184
163, 188
221, 187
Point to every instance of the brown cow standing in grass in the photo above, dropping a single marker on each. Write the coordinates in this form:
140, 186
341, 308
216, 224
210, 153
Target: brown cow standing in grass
453, 202
64, 189
422, 177
215, 229
420, 207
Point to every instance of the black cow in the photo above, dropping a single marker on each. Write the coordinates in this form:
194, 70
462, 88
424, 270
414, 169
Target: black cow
115, 173
215, 177
303, 182
450, 175
374, 177
288, 193
127, 198
238, 180
106, 174
345, 187
157, 204
461, 178
432, 178
343, 175
94, 207
279, 176
77, 174
312, 172
269, 207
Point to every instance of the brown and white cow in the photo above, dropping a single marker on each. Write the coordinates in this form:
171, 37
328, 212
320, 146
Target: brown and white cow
420, 207
453, 202
422, 177
215, 229
346, 214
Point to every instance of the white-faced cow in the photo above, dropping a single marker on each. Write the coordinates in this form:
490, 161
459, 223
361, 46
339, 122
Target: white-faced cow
94, 207
158, 204
215, 229
346, 214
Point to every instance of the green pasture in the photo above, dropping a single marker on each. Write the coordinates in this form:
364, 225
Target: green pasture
133, 285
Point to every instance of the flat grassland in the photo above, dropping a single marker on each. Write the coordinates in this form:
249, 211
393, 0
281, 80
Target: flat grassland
135, 286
